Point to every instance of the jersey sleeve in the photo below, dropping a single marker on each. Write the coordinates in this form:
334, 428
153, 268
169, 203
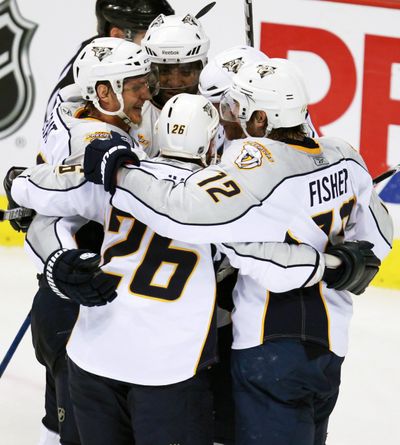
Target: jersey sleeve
191, 211
47, 234
370, 219
59, 191
278, 267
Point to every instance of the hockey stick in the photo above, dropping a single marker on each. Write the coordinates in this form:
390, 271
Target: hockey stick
205, 10
387, 174
17, 213
15, 343
248, 13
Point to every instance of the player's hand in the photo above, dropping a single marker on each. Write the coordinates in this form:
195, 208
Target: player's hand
103, 158
19, 224
358, 267
75, 274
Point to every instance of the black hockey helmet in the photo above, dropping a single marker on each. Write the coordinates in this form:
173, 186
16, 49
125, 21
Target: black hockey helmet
135, 15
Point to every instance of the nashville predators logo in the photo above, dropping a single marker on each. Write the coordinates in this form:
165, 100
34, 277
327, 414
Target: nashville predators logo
189, 19
252, 155
157, 21
207, 108
265, 70
101, 52
234, 65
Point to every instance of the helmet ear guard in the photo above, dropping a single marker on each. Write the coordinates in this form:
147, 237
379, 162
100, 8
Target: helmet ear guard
187, 126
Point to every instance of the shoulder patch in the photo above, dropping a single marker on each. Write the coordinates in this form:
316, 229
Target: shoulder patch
97, 135
252, 155
142, 140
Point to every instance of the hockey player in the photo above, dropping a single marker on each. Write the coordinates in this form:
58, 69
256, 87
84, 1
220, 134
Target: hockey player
288, 347
127, 19
177, 46
75, 274
138, 367
217, 76
115, 78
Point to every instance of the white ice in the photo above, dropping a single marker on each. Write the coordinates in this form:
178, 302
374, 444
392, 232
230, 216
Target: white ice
367, 413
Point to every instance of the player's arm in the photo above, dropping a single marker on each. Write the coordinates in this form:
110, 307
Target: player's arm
205, 208
58, 191
369, 218
279, 267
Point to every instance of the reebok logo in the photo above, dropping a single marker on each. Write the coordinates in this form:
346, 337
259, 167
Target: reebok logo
170, 53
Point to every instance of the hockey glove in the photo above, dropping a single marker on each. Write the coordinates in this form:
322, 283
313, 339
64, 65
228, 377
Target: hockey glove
75, 274
359, 265
20, 224
103, 158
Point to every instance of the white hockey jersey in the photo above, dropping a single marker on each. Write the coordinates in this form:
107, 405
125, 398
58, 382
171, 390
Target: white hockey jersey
65, 136
315, 193
321, 193
161, 329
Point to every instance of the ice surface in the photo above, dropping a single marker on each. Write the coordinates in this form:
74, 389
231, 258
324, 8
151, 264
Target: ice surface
367, 412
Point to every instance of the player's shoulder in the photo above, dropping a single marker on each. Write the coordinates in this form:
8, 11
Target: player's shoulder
167, 168
339, 146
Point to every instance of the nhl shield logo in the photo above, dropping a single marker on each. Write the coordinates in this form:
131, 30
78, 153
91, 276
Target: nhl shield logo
16, 82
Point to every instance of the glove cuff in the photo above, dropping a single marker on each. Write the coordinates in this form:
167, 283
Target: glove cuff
48, 272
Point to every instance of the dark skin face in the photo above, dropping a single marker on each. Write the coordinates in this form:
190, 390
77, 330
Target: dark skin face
177, 78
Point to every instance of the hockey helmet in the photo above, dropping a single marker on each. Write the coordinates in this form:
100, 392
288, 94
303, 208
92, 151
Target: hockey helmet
135, 15
186, 126
176, 39
217, 75
114, 60
275, 87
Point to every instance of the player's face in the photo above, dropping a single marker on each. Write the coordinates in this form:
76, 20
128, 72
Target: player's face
135, 93
177, 78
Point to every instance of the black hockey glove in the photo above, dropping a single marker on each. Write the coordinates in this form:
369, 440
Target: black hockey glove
103, 158
75, 274
359, 266
20, 224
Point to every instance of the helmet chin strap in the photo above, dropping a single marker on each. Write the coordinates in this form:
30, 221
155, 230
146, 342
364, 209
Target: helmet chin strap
120, 112
243, 124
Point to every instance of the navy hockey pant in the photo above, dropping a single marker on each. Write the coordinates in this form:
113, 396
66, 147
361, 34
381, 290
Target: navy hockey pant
51, 325
283, 393
112, 412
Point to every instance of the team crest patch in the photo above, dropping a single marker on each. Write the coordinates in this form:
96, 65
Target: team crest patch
97, 135
101, 52
16, 81
142, 140
234, 65
252, 155
265, 70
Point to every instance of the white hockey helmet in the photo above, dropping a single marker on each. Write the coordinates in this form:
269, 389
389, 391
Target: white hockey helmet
110, 59
176, 39
275, 87
217, 76
186, 126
